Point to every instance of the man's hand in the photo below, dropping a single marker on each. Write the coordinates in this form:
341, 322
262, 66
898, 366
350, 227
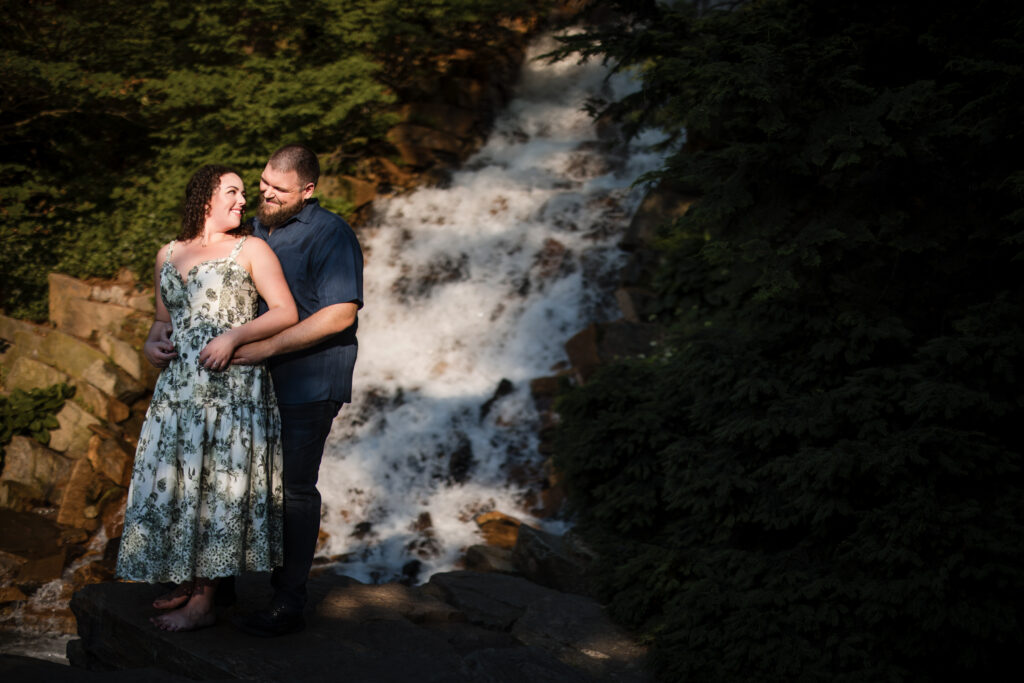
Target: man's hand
327, 321
252, 353
158, 348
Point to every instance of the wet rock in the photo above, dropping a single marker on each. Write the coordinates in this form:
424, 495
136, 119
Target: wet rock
47, 618
416, 283
9, 594
505, 387
499, 530
424, 522
36, 572
553, 259
27, 535
10, 563
489, 558
93, 572
559, 562
552, 498
460, 462
361, 530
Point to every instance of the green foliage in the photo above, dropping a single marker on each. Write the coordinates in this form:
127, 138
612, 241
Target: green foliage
108, 107
820, 479
32, 413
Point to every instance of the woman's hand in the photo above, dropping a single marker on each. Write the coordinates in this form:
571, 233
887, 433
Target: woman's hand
217, 354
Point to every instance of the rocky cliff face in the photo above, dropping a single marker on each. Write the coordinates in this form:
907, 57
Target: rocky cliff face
61, 505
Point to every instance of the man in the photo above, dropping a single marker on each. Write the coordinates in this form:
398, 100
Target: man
311, 362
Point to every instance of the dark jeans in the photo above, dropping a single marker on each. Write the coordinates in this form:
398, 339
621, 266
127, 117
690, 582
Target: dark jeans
304, 430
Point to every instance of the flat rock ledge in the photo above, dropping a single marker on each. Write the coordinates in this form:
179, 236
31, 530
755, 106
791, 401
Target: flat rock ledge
460, 626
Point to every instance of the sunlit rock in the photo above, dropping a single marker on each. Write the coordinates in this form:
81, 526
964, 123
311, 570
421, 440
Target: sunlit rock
83, 489
72, 436
26, 373
42, 470
498, 529
110, 459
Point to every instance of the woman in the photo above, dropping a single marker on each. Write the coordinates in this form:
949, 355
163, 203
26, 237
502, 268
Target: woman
205, 499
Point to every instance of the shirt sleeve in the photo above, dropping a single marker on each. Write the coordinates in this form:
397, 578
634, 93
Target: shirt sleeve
338, 267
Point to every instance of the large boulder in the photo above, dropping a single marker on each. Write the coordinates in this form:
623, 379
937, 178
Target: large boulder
498, 529
364, 632
32, 550
559, 562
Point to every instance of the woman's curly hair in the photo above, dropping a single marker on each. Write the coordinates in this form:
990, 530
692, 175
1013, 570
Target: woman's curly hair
198, 194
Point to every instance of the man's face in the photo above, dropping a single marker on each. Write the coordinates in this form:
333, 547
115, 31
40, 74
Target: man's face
281, 196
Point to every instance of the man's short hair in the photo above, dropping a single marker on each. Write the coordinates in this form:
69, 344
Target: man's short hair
300, 159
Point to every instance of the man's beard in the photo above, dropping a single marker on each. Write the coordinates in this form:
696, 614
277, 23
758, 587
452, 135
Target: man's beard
274, 216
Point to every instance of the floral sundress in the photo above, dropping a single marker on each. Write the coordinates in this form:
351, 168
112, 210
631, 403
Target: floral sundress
206, 496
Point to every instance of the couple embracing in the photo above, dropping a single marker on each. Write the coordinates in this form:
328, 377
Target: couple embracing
226, 468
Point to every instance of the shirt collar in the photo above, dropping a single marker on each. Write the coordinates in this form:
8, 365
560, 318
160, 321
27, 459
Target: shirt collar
305, 215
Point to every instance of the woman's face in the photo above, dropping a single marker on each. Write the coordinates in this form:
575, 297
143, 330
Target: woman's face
227, 203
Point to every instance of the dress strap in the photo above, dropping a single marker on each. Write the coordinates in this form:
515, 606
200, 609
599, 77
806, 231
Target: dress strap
170, 249
238, 247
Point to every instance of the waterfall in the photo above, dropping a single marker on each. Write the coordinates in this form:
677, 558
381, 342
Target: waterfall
470, 287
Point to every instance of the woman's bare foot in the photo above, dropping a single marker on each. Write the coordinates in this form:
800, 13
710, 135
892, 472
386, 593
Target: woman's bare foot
195, 614
176, 597
187, 618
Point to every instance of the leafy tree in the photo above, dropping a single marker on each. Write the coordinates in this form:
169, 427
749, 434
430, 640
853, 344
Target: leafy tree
820, 478
108, 106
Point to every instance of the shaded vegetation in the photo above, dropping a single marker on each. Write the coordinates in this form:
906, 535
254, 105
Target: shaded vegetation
108, 106
819, 479
31, 413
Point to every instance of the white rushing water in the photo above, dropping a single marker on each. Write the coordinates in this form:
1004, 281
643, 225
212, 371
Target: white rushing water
466, 286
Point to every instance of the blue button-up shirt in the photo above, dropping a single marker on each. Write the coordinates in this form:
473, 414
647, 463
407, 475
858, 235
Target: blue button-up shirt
323, 265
